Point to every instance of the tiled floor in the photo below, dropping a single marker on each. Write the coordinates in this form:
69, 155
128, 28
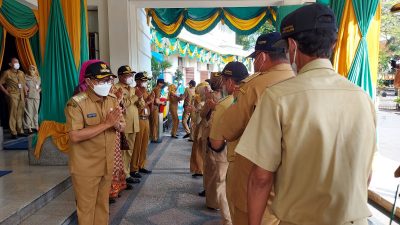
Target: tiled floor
26, 183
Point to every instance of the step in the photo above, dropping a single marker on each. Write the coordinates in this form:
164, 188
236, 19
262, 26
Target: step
20, 211
60, 211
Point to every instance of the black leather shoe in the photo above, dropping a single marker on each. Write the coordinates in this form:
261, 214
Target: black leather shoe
128, 187
23, 135
131, 180
143, 170
136, 175
210, 208
190, 140
186, 136
111, 201
14, 136
203, 193
176, 137
197, 175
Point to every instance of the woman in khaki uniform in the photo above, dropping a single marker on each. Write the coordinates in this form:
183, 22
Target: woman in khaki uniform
154, 122
173, 109
33, 99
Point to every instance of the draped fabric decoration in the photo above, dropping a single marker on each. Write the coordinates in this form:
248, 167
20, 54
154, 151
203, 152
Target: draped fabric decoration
170, 46
354, 58
243, 20
20, 22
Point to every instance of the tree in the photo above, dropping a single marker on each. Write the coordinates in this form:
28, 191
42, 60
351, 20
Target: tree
158, 68
178, 76
249, 41
390, 32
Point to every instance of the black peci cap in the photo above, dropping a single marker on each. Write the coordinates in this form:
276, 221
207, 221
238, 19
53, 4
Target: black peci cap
235, 70
193, 83
125, 70
98, 70
265, 43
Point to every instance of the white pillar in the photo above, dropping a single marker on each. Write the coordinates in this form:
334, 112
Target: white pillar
104, 47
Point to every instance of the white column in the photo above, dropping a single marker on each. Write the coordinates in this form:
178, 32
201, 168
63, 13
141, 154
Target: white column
104, 47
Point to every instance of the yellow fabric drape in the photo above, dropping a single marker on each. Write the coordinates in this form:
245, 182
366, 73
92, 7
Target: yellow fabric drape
373, 44
72, 16
20, 33
202, 25
3, 46
168, 29
349, 37
25, 53
57, 131
43, 21
244, 24
1, 3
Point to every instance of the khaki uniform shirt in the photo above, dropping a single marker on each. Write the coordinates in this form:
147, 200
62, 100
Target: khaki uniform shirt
317, 132
15, 82
188, 96
216, 116
234, 121
95, 156
130, 101
33, 84
144, 110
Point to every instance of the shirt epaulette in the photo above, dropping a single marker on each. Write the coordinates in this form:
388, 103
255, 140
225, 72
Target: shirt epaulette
249, 78
223, 99
80, 97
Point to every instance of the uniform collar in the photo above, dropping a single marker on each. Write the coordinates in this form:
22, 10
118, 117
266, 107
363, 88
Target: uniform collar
317, 64
93, 95
280, 67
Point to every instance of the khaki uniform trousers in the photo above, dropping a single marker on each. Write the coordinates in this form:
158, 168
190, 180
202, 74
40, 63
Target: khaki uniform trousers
127, 154
363, 221
154, 124
31, 113
222, 168
237, 186
196, 157
17, 108
185, 120
91, 195
173, 110
141, 144
209, 178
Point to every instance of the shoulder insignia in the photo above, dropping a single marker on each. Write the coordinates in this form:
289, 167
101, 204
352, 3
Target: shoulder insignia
80, 97
242, 91
251, 77
72, 104
224, 98
112, 95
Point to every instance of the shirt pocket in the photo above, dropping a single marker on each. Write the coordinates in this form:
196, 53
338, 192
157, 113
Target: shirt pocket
92, 119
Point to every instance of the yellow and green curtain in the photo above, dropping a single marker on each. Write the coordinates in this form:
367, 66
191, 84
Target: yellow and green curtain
356, 53
170, 46
243, 20
19, 21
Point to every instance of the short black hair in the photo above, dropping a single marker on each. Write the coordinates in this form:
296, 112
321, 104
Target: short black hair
317, 43
11, 59
276, 56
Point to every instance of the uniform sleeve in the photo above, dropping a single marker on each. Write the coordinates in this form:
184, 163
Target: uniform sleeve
235, 119
261, 140
216, 118
74, 116
3, 77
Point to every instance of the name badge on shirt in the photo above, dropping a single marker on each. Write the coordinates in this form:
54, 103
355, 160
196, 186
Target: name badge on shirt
91, 115
37, 87
20, 86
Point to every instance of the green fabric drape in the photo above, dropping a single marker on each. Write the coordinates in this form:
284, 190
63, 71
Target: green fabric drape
84, 35
19, 15
338, 7
59, 76
35, 46
246, 20
360, 72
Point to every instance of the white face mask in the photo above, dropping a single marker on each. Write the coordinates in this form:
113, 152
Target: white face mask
102, 89
132, 83
144, 84
16, 66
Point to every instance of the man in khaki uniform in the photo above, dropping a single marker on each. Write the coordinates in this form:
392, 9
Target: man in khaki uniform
32, 101
154, 137
187, 105
16, 90
142, 138
313, 137
233, 74
272, 67
92, 118
126, 86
